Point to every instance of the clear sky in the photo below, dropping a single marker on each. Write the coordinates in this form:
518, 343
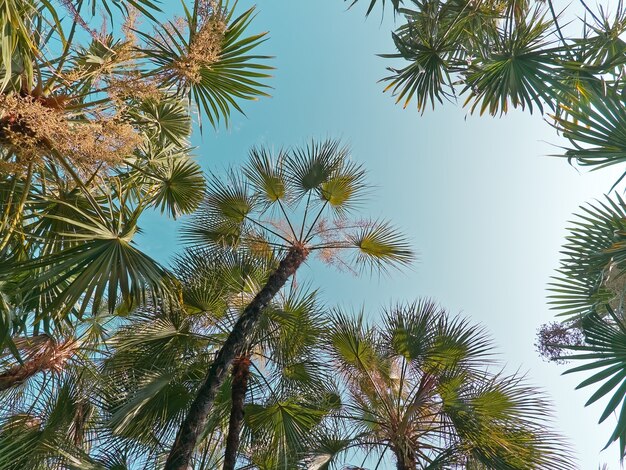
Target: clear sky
484, 205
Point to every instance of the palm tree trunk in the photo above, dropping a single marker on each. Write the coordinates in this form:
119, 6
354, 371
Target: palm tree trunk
404, 461
187, 438
241, 373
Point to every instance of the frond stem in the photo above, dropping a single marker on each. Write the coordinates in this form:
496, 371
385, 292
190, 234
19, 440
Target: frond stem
293, 232
306, 238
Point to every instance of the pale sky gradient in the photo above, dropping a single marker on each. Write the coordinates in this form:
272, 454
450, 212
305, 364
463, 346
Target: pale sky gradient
484, 204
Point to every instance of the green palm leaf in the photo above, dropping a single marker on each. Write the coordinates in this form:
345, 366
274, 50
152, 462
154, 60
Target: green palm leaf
595, 129
168, 118
217, 85
224, 214
179, 187
592, 267
99, 264
519, 69
604, 352
379, 245
267, 175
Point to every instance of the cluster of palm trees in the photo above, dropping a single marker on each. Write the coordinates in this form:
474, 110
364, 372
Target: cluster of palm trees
109, 360
538, 55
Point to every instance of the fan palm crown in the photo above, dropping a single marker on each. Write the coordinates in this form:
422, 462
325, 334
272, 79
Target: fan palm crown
290, 206
420, 387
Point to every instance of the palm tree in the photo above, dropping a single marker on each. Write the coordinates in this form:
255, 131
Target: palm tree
95, 132
132, 378
257, 212
158, 358
589, 292
420, 387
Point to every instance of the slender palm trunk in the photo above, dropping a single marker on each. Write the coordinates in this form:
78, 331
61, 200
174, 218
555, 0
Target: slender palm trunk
404, 462
405, 459
193, 425
241, 373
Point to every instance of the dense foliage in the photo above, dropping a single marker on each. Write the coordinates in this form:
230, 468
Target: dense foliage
109, 360
568, 63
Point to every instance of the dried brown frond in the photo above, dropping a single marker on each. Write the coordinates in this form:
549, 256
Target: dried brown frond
32, 132
43, 354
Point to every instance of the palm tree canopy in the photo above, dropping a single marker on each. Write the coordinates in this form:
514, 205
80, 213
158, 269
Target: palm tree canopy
420, 387
94, 131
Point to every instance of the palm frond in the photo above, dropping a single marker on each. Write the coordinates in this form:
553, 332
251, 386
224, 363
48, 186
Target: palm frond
595, 130
179, 187
267, 175
520, 69
212, 66
99, 262
604, 352
223, 215
380, 245
592, 267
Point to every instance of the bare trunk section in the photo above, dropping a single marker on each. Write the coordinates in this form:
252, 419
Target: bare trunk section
405, 462
241, 373
179, 457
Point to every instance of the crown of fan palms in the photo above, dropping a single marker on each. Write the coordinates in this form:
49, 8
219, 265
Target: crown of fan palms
93, 132
419, 387
292, 204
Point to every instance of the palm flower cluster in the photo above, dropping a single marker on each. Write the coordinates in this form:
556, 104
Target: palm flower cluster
32, 131
206, 43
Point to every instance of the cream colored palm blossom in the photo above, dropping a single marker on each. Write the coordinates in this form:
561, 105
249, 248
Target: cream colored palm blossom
34, 131
205, 45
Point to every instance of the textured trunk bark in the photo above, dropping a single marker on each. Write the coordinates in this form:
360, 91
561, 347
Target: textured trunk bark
241, 373
403, 461
179, 457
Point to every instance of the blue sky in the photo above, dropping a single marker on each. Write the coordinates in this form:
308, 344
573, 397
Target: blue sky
484, 205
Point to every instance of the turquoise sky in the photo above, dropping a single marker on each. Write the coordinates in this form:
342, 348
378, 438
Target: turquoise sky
483, 203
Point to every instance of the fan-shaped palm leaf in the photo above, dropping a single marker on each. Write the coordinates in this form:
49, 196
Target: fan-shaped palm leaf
214, 83
592, 267
604, 350
595, 130
99, 262
520, 69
